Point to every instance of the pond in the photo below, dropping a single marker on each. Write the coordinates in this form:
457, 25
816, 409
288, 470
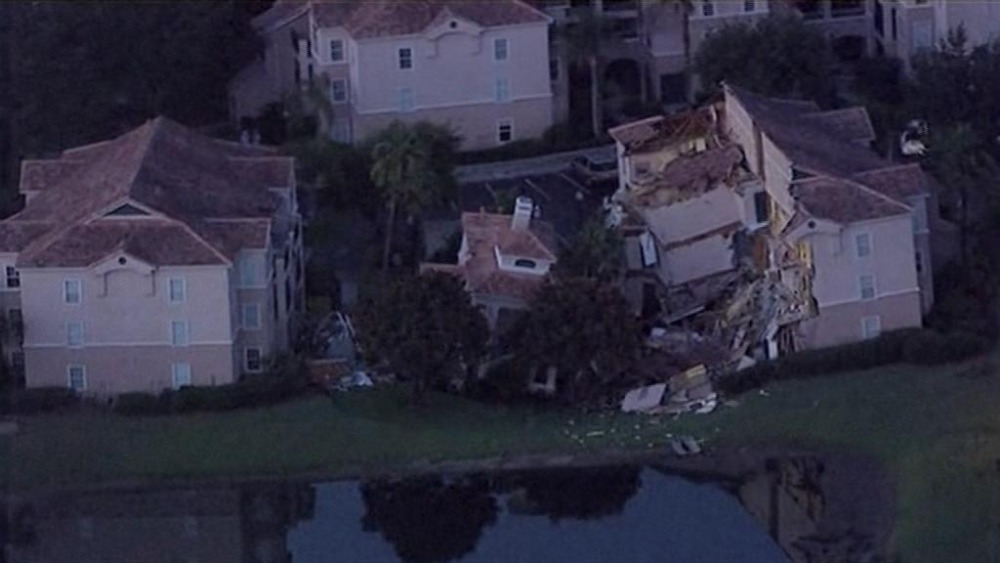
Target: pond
606, 514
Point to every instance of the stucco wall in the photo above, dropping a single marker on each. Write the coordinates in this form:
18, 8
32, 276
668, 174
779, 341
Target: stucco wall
703, 258
842, 324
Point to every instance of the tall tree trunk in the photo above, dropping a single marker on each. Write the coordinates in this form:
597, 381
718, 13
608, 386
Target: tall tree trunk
595, 97
389, 228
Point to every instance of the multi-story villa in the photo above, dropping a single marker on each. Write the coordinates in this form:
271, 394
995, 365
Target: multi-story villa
158, 259
479, 67
904, 27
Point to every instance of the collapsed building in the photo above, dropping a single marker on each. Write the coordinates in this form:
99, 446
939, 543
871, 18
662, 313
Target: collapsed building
770, 226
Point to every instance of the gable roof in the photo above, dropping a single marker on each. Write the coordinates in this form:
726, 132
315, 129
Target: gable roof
387, 18
183, 176
653, 133
844, 201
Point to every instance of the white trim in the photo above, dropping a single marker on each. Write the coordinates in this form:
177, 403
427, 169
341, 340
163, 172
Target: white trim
347, 92
65, 287
170, 294
861, 287
864, 326
329, 52
173, 374
399, 58
187, 334
506, 50
167, 344
69, 376
509, 121
486, 102
879, 297
69, 342
857, 247
246, 359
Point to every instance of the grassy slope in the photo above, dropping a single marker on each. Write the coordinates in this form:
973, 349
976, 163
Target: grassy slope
937, 432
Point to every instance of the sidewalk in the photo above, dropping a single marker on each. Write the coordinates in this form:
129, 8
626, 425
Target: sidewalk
546, 164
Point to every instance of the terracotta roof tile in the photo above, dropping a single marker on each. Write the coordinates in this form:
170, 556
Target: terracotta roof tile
656, 132
493, 230
843, 201
690, 176
386, 18
851, 124
37, 175
899, 182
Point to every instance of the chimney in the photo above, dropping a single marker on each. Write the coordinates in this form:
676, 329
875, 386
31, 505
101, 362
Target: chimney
523, 208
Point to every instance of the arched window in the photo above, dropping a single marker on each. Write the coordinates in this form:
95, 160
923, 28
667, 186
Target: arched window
525, 263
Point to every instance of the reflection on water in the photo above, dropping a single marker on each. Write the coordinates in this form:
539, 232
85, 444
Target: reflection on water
580, 515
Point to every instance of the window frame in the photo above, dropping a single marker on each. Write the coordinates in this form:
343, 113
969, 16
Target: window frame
858, 247
70, 343
260, 359
180, 343
346, 95
243, 316
409, 99
707, 8
749, 6
507, 123
67, 283
407, 59
501, 90
861, 287
525, 264
170, 290
174, 372
865, 333
12, 274
332, 50
83, 377
497, 42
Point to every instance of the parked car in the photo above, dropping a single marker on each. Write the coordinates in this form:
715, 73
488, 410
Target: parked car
593, 172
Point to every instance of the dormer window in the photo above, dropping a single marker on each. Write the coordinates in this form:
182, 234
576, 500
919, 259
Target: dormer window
525, 263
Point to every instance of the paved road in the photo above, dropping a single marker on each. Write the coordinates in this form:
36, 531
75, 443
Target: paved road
547, 164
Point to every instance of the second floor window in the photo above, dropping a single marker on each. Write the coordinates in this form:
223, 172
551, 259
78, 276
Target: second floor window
179, 333
176, 290
867, 286
749, 5
338, 91
72, 292
74, 334
501, 90
707, 8
500, 49
13, 277
405, 58
251, 316
863, 242
406, 99
336, 51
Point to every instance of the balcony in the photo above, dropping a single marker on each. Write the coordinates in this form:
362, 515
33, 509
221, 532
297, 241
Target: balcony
847, 8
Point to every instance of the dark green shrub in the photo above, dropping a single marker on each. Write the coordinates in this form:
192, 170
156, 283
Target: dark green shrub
36, 400
931, 347
138, 404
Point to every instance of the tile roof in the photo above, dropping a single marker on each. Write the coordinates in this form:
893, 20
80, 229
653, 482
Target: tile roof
386, 18
691, 175
483, 233
852, 124
843, 201
653, 133
185, 178
899, 182
279, 12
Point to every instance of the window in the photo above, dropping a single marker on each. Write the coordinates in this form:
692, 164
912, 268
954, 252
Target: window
505, 130
553, 70
707, 8
867, 285
295, 40
13, 277
406, 99
72, 291
251, 316
525, 263
341, 132
253, 360
181, 374
176, 292
500, 48
248, 272
863, 244
74, 334
338, 91
501, 90
761, 207
77, 376
179, 333
871, 327
749, 6
336, 51
405, 58
918, 260
922, 35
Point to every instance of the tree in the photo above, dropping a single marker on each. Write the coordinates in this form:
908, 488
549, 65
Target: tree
427, 520
584, 39
968, 174
425, 328
778, 56
102, 68
570, 493
595, 252
584, 329
336, 173
412, 167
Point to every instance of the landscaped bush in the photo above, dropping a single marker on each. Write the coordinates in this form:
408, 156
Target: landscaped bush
43, 399
930, 347
138, 404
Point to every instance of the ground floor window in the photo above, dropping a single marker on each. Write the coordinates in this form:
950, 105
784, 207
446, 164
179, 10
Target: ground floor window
253, 360
181, 373
505, 130
871, 327
77, 378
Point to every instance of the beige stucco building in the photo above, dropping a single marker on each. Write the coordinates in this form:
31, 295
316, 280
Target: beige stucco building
904, 27
782, 190
158, 259
474, 66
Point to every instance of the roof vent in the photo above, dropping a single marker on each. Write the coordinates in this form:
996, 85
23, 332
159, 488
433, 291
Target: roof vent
523, 209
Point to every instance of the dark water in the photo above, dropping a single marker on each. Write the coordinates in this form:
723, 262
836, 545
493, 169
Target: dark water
619, 514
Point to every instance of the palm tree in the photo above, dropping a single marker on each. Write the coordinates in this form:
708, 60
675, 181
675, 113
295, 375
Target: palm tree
584, 38
400, 169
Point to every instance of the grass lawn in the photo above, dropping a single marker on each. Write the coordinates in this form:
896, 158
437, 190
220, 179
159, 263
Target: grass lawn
936, 431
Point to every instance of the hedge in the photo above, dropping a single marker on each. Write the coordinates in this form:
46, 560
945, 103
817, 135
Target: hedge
248, 393
37, 400
916, 346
